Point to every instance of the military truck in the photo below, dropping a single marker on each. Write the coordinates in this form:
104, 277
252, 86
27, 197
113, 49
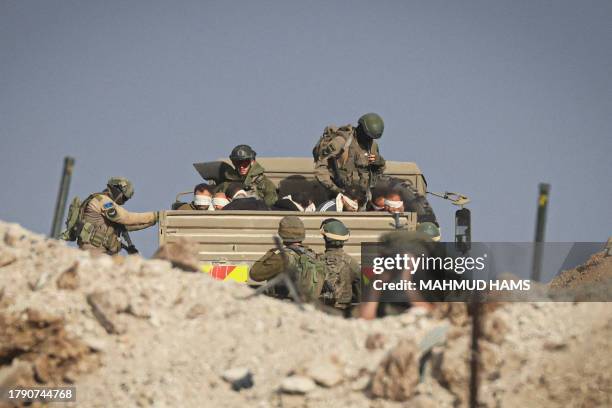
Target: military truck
229, 242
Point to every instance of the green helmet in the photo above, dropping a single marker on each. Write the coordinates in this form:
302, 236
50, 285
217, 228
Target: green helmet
291, 229
372, 125
430, 229
334, 230
122, 185
242, 152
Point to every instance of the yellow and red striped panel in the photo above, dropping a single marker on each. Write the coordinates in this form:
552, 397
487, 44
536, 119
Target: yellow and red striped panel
238, 273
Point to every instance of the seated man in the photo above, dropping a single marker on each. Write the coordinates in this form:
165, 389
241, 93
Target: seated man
249, 174
241, 200
202, 199
219, 200
298, 201
351, 200
377, 202
393, 201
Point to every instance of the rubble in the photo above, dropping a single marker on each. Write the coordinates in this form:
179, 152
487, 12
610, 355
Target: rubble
238, 378
126, 330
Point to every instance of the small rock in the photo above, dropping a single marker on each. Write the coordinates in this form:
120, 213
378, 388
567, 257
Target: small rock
6, 258
15, 235
94, 343
69, 279
239, 378
375, 341
360, 383
181, 253
297, 385
104, 313
554, 344
325, 373
195, 311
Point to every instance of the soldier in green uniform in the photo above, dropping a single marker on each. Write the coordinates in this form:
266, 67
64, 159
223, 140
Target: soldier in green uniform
294, 256
343, 272
250, 174
349, 155
102, 219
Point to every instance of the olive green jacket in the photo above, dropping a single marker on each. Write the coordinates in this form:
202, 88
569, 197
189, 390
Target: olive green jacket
254, 181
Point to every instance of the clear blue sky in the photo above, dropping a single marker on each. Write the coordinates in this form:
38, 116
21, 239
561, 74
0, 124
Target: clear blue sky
489, 98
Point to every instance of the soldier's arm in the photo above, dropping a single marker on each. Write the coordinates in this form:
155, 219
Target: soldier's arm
380, 163
138, 227
117, 214
270, 194
267, 267
324, 176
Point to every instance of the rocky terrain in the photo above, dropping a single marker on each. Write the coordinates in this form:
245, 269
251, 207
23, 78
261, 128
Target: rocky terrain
132, 332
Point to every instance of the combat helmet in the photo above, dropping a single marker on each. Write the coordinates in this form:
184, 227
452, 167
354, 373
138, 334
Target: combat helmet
291, 229
120, 186
333, 229
372, 125
242, 152
430, 229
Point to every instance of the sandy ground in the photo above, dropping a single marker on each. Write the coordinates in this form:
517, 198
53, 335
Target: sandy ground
131, 332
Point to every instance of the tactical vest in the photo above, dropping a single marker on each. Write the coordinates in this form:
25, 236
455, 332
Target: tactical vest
311, 271
351, 165
98, 231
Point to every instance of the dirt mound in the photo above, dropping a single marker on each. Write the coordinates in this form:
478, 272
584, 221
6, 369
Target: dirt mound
35, 350
597, 269
164, 337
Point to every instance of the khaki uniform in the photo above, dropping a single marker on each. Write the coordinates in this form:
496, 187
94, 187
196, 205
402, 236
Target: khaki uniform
103, 220
339, 166
255, 181
343, 278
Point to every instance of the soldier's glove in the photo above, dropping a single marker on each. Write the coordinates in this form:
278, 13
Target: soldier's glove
156, 216
132, 250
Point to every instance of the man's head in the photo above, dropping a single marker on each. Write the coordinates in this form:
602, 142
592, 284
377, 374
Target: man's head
353, 198
235, 191
393, 202
120, 189
377, 202
202, 196
371, 126
304, 199
334, 232
242, 157
219, 200
291, 229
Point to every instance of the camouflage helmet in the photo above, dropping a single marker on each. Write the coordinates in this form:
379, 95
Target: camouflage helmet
372, 125
334, 230
123, 185
291, 229
430, 229
242, 152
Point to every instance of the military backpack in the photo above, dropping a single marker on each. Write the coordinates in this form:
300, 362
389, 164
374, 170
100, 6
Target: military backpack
330, 144
311, 272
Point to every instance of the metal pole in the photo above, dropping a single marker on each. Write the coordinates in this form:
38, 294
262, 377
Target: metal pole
539, 232
62, 197
475, 348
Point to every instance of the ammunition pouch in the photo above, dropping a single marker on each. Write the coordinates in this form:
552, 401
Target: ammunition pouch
100, 236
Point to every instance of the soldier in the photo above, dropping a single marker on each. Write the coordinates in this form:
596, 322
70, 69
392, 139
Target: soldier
348, 155
309, 269
202, 199
102, 219
250, 174
343, 272
430, 229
